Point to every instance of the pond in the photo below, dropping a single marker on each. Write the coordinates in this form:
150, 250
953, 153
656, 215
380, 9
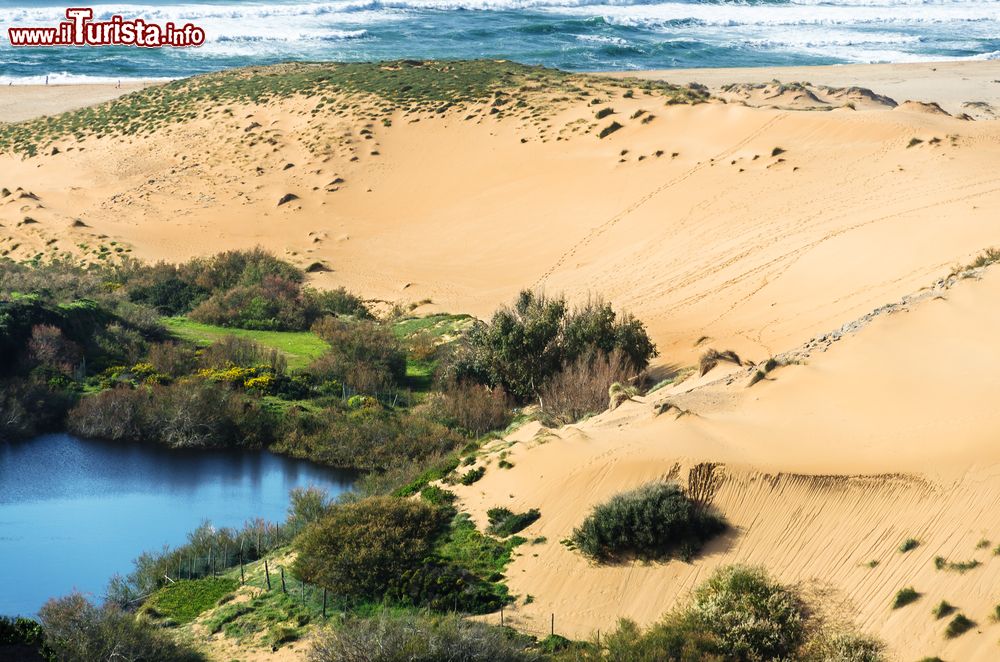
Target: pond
74, 512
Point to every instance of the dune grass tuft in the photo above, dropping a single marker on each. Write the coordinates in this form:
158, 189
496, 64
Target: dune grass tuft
905, 596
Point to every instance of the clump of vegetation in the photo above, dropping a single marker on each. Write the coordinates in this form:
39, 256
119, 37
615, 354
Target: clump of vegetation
609, 129
942, 563
908, 545
77, 631
905, 596
524, 345
712, 358
472, 475
404, 552
360, 548
944, 608
656, 522
183, 601
22, 639
582, 386
958, 626
739, 613
388, 638
504, 522
363, 356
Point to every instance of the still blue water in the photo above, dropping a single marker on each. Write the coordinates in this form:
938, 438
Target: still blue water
75, 512
571, 34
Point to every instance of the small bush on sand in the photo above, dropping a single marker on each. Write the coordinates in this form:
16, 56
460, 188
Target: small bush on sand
418, 638
77, 631
958, 626
943, 609
656, 522
360, 548
908, 545
505, 523
905, 596
609, 129
712, 358
472, 475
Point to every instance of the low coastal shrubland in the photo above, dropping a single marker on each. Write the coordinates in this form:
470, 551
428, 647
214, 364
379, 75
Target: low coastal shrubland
418, 638
78, 631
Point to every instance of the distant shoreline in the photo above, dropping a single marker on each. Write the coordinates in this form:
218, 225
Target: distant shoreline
948, 83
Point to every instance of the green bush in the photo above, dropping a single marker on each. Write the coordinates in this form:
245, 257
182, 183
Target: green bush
415, 638
360, 548
753, 616
656, 521
472, 475
77, 631
366, 357
958, 626
905, 596
505, 523
524, 345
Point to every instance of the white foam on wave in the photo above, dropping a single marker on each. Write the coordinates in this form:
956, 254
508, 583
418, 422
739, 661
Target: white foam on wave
66, 78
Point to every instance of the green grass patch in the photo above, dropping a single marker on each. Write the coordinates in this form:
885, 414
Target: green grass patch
300, 348
185, 600
480, 554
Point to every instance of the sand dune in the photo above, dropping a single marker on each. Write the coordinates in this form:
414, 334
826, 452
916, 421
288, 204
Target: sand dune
772, 232
756, 227
831, 465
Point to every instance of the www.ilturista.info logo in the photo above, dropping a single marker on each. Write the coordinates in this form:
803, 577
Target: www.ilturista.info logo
81, 30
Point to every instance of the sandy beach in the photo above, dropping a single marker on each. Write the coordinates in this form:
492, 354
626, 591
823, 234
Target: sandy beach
22, 102
826, 227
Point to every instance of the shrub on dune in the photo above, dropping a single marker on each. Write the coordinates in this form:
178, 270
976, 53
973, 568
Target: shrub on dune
656, 522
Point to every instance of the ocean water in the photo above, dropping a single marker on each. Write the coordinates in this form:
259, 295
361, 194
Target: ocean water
571, 34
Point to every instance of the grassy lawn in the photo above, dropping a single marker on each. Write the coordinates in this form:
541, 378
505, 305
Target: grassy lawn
299, 347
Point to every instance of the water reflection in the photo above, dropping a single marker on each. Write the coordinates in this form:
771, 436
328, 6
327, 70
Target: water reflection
73, 512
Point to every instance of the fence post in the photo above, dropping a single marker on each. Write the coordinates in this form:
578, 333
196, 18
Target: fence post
211, 560
283, 589
501, 615
190, 567
324, 602
243, 579
302, 592
267, 575
553, 630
